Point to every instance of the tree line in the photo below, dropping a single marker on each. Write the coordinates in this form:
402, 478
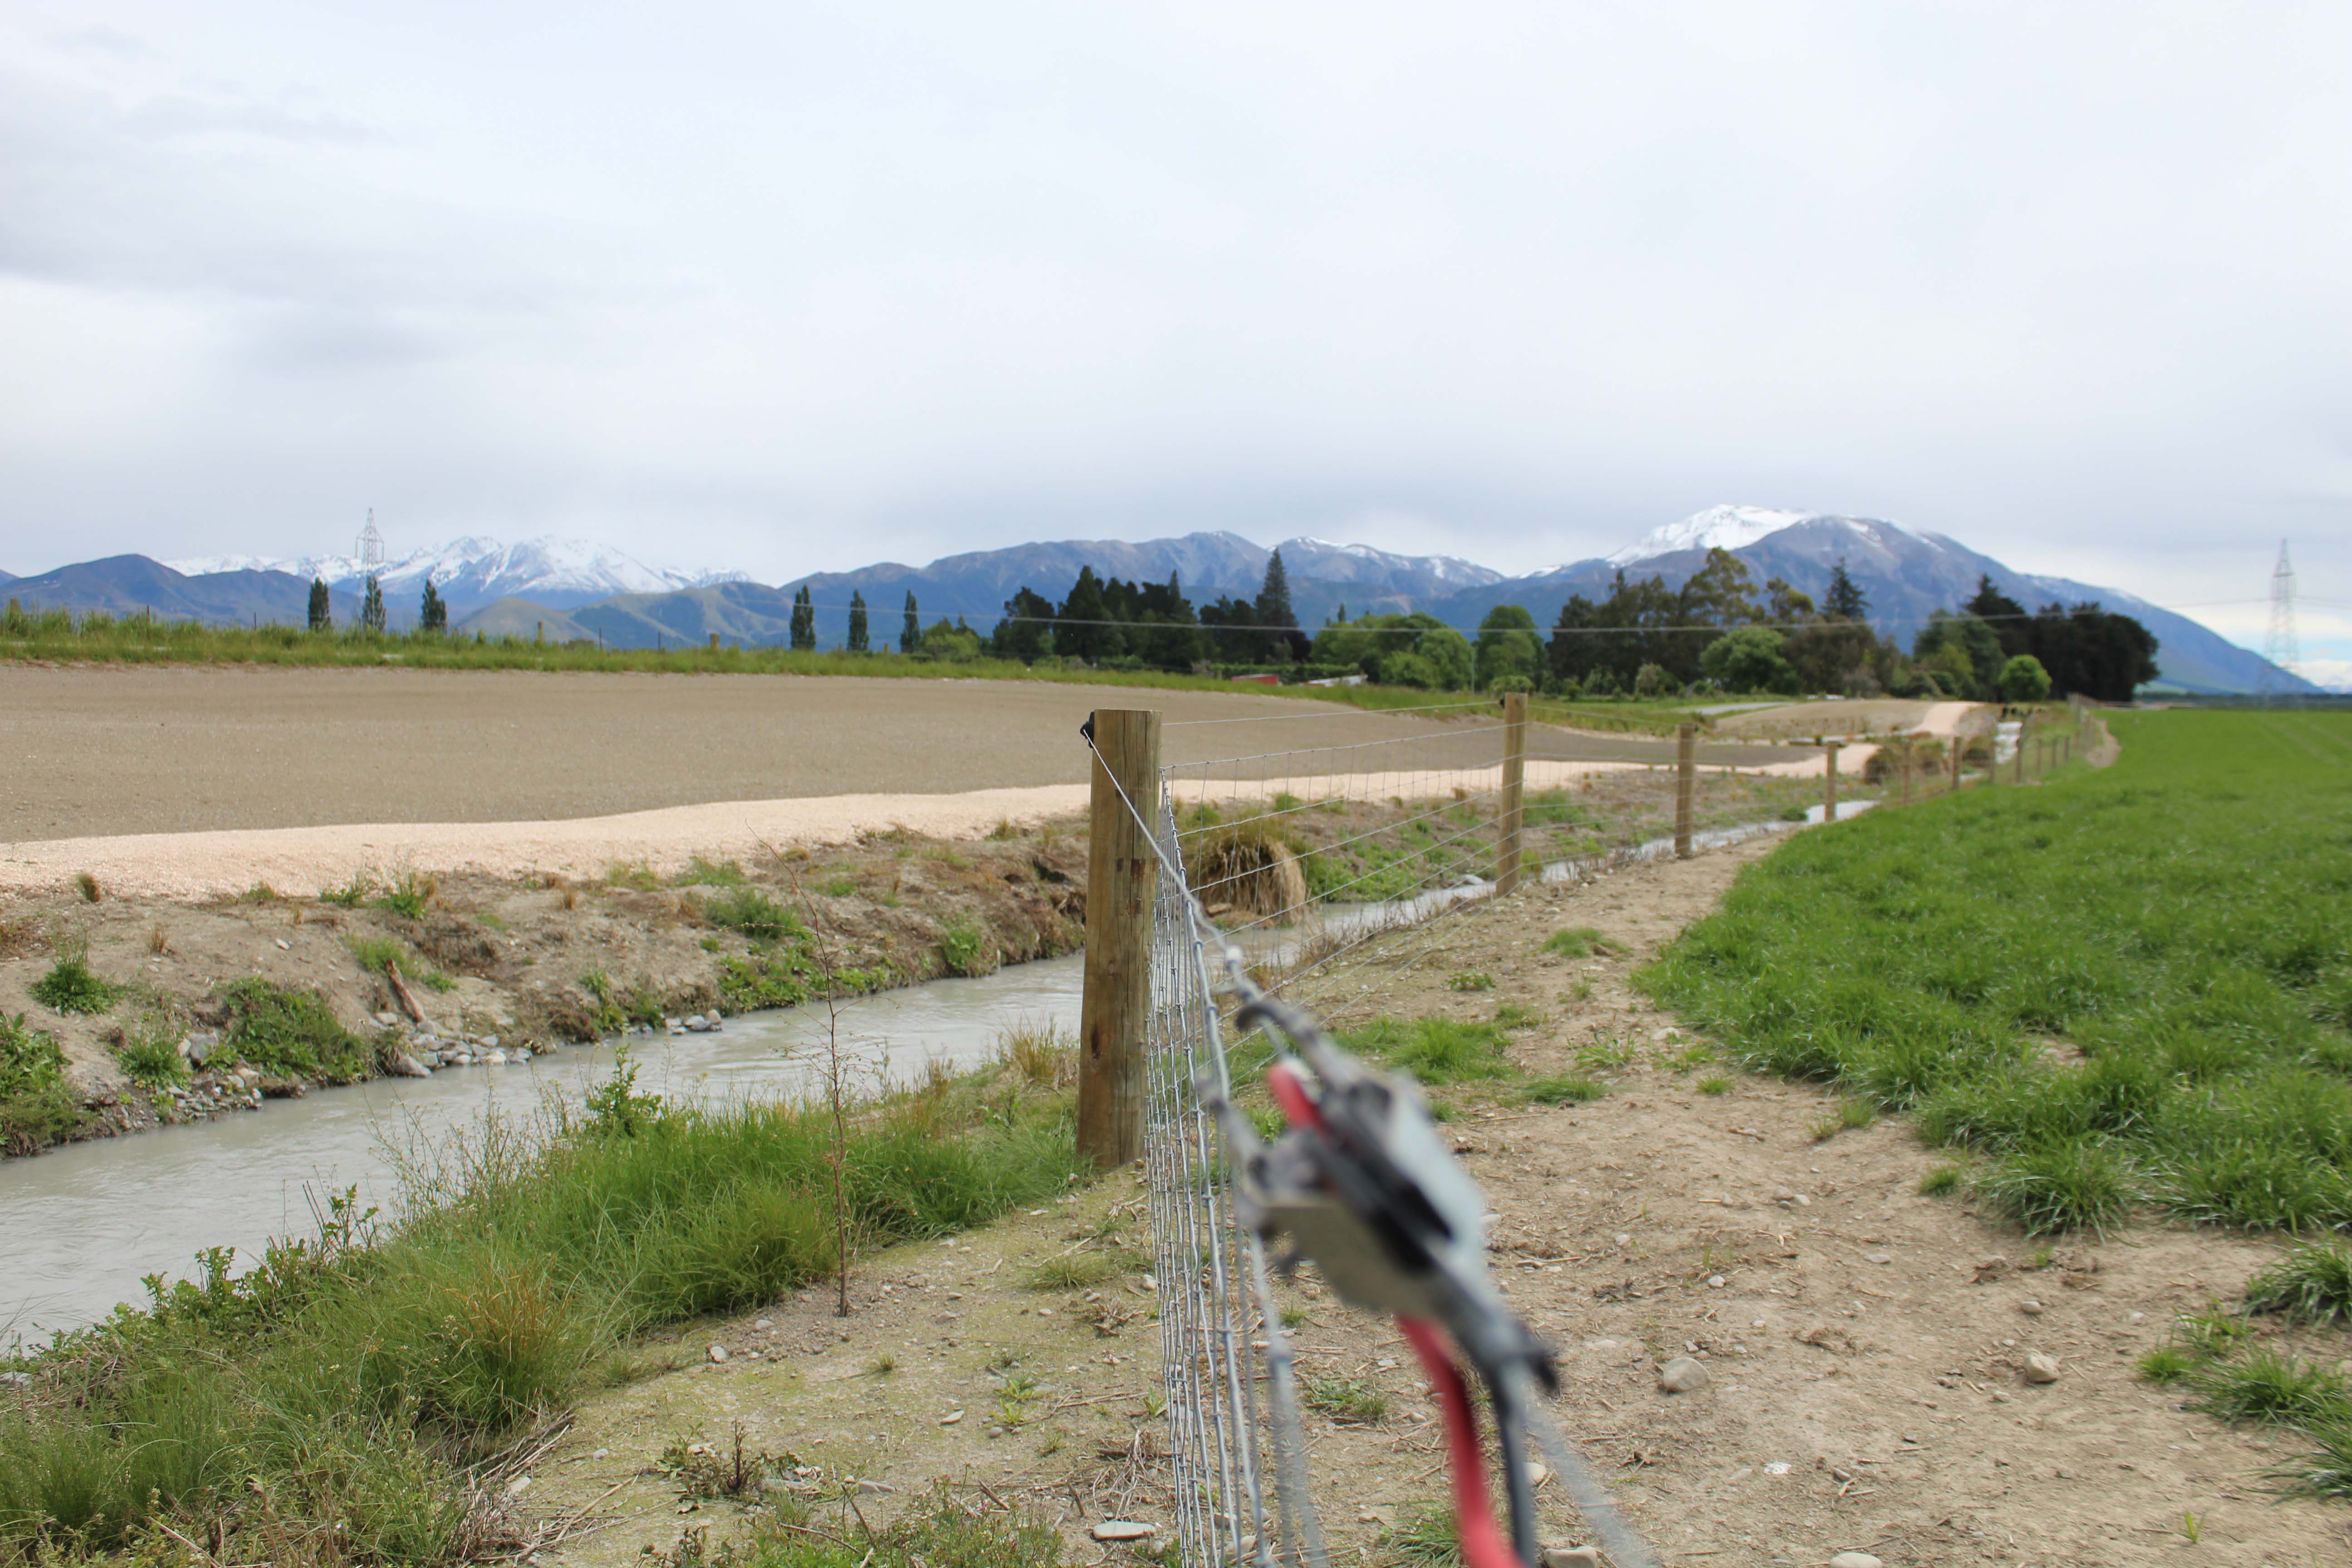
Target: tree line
1719, 630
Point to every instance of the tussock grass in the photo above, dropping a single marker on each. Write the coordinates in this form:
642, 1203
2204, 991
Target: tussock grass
344, 1392
2268, 1386
2179, 918
291, 1034
754, 914
2313, 1284
1562, 1092
36, 1109
150, 1056
1584, 941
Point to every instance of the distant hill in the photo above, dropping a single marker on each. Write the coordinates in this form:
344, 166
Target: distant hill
567, 590
133, 584
471, 574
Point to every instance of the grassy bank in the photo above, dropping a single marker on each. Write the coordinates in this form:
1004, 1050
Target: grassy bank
351, 1401
2128, 988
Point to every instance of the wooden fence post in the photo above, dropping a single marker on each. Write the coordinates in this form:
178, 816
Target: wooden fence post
1686, 785
1829, 781
1121, 880
1515, 778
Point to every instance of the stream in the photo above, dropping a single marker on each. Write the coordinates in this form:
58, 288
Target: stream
84, 1222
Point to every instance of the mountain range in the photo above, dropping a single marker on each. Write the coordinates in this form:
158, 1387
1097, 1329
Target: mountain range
566, 589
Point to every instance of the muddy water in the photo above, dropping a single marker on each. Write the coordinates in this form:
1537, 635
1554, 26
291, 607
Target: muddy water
79, 1225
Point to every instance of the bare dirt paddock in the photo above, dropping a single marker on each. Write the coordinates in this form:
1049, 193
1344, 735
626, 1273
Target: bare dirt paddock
93, 752
1866, 1344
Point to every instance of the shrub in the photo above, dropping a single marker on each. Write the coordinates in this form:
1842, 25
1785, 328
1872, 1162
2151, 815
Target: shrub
71, 987
1470, 980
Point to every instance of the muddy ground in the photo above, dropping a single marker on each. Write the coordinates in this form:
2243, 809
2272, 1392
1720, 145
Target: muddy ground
1866, 1344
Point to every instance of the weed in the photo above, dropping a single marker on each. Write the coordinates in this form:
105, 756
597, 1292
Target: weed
636, 875
433, 980
352, 894
1714, 1084
1940, 1180
838, 886
408, 897
290, 1033
2168, 1363
702, 1470
1016, 1398
377, 953
1579, 992
2326, 1472
1697, 1054
1294, 1317
36, 1109
2312, 1284
1434, 1050
1347, 1399
1603, 1053
753, 913
2209, 1333
882, 1365
1562, 1092
71, 987
965, 949
159, 940
1443, 1110
1584, 941
1077, 1270
150, 1056
1427, 1538
1470, 980
87, 885
1511, 1016
2189, 1527
702, 873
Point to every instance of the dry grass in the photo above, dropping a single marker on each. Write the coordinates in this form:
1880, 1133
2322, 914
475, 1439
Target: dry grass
1246, 869
1040, 1053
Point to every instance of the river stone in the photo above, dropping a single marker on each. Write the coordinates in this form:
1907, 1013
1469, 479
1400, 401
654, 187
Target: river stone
1683, 1375
400, 1064
199, 1045
2039, 1368
717, 1352
497, 1058
388, 1020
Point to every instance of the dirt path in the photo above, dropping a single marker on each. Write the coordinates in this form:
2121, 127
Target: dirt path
1864, 1348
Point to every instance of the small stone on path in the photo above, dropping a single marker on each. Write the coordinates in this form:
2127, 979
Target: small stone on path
1878, 1258
718, 1353
1855, 1560
2039, 1368
1683, 1375
1571, 1557
1123, 1530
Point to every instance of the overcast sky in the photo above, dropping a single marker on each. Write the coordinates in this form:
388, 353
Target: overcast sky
786, 287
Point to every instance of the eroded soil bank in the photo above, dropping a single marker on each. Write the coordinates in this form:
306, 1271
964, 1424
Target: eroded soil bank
1866, 1344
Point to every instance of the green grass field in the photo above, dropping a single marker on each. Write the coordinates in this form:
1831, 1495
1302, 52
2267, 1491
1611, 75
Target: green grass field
2129, 988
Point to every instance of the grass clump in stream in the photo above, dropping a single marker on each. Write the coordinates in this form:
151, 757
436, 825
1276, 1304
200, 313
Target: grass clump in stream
346, 1401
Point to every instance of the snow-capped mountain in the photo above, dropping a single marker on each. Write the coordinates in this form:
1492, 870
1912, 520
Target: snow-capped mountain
1735, 527
470, 573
